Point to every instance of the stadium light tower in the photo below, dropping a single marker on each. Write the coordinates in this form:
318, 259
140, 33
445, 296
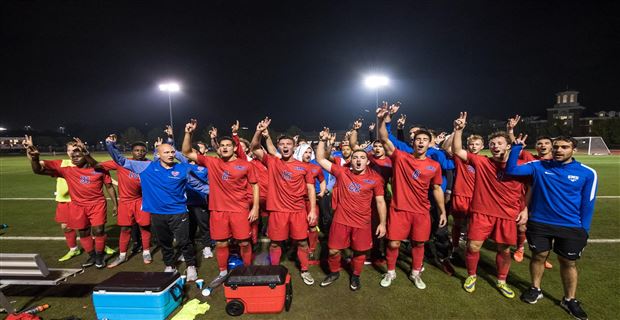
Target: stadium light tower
170, 88
376, 82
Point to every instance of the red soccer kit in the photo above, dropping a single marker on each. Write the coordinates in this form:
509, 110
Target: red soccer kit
285, 200
382, 166
228, 196
130, 196
409, 210
88, 205
463, 189
497, 200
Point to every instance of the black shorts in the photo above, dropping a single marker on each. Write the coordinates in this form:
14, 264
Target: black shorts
567, 242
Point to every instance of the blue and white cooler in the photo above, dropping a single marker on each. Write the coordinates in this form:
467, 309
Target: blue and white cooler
138, 295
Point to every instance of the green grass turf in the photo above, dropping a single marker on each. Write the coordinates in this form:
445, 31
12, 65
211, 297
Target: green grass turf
443, 299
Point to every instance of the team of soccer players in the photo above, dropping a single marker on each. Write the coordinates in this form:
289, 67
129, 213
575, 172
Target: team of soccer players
383, 189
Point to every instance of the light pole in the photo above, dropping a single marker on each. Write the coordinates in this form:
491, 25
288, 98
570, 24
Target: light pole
170, 87
376, 82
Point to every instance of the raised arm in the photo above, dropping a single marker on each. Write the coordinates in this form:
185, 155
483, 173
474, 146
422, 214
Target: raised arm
271, 148
400, 127
117, 156
510, 126
457, 141
353, 137
33, 154
234, 129
89, 159
382, 113
213, 137
187, 150
321, 158
255, 144
512, 168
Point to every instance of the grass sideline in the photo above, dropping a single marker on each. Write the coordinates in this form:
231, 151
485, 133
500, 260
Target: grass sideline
444, 298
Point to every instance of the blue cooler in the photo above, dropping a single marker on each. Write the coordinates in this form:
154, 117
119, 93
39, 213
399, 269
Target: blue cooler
138, 295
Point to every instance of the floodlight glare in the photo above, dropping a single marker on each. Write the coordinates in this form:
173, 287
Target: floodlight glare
2, 129
170, 87
376, 81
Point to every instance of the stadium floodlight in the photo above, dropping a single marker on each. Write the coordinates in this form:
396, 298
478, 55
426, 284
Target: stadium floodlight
375, 82
3, 129
170, 88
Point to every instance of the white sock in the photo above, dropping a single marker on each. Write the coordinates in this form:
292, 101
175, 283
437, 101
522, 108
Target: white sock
501, 281
392, 272
73, 249
415, 272
122, 255
223, 273
147, 251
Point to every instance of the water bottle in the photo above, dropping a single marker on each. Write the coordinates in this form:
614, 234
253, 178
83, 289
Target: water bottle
3, 226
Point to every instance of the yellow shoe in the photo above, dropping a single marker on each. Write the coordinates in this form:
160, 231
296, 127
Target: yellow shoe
518, 255
109, 251
70, 254
548, 265
470, 284
505, 290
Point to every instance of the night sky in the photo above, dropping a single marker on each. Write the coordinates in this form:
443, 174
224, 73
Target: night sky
300, 62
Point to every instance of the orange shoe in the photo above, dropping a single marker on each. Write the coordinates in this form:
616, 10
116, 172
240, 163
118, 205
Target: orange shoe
548, 265
518, 255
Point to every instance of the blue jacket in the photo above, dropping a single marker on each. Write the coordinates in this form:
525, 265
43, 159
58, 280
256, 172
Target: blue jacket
562, 194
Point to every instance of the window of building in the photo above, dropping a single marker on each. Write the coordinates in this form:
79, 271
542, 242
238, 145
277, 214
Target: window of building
559, 99
572, 98
564, 98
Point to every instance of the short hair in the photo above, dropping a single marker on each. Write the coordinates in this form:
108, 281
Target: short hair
247, 143
359, 150
201, 142
572, 140
499, 134
424, 132
219, 141
376, 141
71, 143
282, 137
475, 137
544, 138
138, 144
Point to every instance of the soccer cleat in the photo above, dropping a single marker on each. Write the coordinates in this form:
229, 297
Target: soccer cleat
470, 284
207, 253
505, 290
446, 266
307, 277
191, 273
548, 265
109, 251
117, 261
354, 283
218, 281
518, 255
90, 261
146, 257
417, 281
170, 269
100, 260
532, 295
387, 279
573, 307
70, 254
330, 278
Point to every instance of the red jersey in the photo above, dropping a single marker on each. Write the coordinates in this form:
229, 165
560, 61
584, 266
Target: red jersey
411, 181
317, 174
382, 166
495, 194
527, 156
287, 184
356, 193
262, 175
129, 187
85, 184
228, 183
465, 175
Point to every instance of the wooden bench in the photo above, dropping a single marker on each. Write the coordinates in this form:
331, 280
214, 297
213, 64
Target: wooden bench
28, 269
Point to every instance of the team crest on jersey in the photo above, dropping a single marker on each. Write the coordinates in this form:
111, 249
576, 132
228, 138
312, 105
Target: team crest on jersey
175, 173
500, 175
368, 181
471, 169
226, 175
431, 168
84, 179
288, 176
134, 175
299, 168
314, 170
201, 168
416, 174
573, 178
238, 167
355, 187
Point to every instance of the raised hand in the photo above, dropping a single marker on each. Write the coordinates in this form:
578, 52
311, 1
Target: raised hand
31, 150
169, 131
347, 135
440, 138
512, 122
190, 127
332, 138
521, 139
263, 124
27, 142
365, 144
295, 139
80, 144
265, 133
461, 121
111, 138
382, 113
371, 126
158, 142
357, 124
400, 123
235, 127
324, 134
213, 133
394, 107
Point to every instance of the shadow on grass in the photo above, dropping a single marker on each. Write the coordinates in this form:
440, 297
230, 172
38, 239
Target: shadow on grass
39, 293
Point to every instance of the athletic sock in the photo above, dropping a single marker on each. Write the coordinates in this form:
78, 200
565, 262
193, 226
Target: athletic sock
221, 255
246, 254
313, 239
334, 262
274, 255
358, 264
456, 235
520, 240
391, 256
502, 263
471, 259
71, 238
302, 255
123, 240
100, 243
417, 257
145, 234
254, 227
87, 243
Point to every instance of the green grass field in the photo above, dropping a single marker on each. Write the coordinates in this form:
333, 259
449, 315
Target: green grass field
443, 299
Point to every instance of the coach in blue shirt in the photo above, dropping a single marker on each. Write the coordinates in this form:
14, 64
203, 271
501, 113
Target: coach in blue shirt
561, 209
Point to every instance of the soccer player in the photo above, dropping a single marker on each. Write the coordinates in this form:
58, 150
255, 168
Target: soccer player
231, 213
88, 207
497, 203
130, 206
62, 209
352, 227
289, 181
164, 182
414, 176
563, 197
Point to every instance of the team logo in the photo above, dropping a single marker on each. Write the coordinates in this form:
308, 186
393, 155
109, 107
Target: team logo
175, 173
134, 175
226, 175
416, 174
573, 178
430, 168
355, 187
201, 168
84, 179
315, 170
240, 167
368, 181
471, 169
500, 175
299, 168
288, 176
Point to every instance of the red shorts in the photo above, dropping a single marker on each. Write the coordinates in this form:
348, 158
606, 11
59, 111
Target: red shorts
482, 227
62, 212
225, 224
281, 225
460, 206
316, 209
82, 217
130, 212
342, 236
404, 225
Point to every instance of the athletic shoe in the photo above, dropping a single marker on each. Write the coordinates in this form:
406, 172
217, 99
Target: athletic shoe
470, 284
354, 283
518, 255
217, 281
170, 269
532, 295
548, 265
90, 261
191, 273
207, 253
100, 260
387, 279
505, 290
573, 307
117, 261
446, 266
181, 258
417, 281
367, 262
307, 277
330, 278
146, 257
70, 254
109, 251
